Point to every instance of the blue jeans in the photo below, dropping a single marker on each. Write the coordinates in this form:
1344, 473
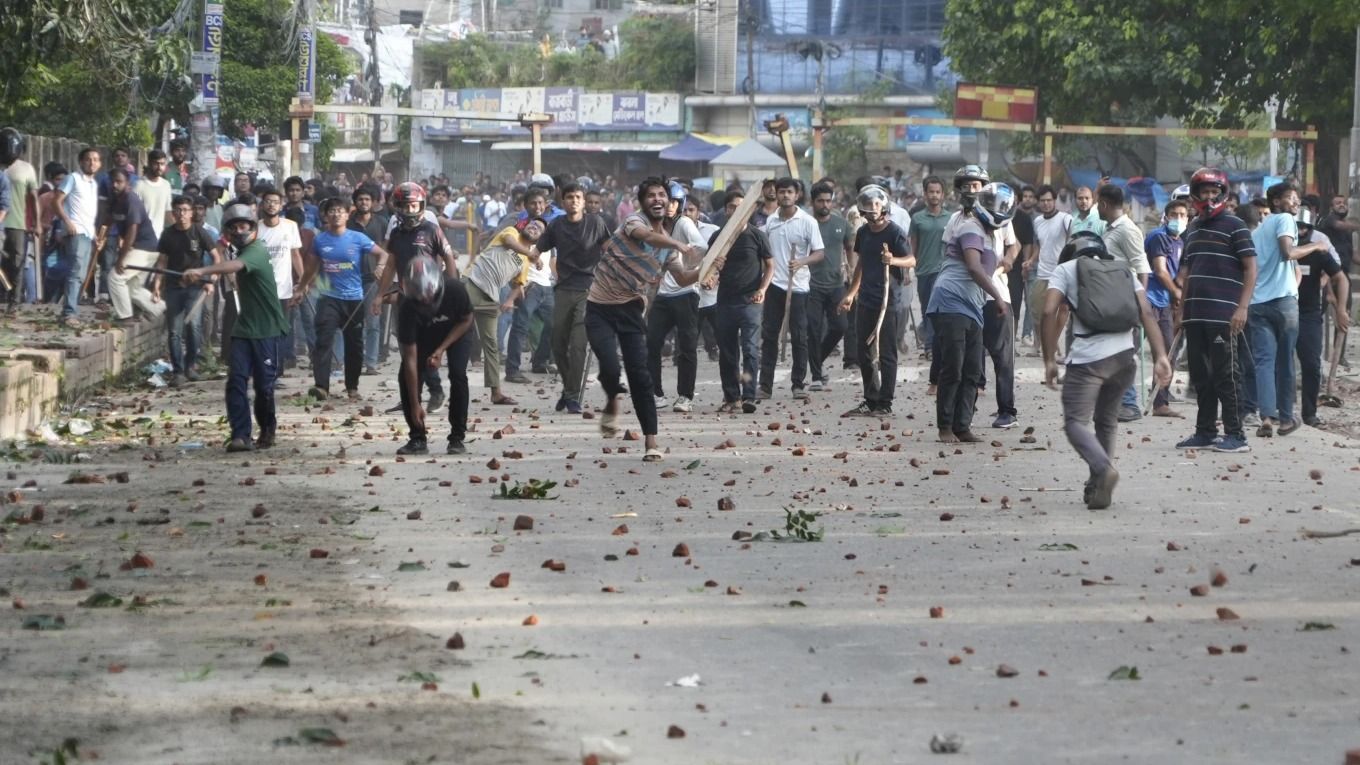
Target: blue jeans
373, 326
185, 336
738, 336
1273, 328
252, 360
538, 301
77, 255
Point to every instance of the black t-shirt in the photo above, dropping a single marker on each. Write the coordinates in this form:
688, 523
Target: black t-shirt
425, 239
1341, 240
578, 248
427, 329
744, 268
869, 250
184, 249
1314, 265
128, 209
1023, 224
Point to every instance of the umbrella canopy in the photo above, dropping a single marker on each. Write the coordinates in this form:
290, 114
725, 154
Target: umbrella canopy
699, 147
749, 153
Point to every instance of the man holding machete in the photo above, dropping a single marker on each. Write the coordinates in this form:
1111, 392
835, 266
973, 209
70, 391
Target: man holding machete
796, 242
882, 245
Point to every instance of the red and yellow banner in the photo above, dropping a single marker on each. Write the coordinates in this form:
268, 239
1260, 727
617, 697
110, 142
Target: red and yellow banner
995, 102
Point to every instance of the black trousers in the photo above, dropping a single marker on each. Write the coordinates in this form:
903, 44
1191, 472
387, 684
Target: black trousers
878, 386
615, 329
344, 316
958, 349
1309, 347
826, 325
708, 328
1215, 356
457, 360
680, 313
771, 322
998, 340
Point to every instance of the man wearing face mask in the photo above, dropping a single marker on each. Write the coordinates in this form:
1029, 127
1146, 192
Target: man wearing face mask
1163, 246
1124, 240
257, 334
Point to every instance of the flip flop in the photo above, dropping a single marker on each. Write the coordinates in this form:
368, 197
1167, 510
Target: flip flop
609, 425
653, 455
505, 401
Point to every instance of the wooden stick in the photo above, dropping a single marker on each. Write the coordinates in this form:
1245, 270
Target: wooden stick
730, 230
1338, 339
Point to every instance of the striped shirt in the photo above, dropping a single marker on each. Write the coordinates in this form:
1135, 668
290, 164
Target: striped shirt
629, 267
1214, 261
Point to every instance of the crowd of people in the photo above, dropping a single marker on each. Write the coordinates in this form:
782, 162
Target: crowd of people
574, 271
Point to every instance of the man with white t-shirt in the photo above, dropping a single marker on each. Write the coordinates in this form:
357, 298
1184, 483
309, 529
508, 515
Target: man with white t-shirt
1051, 229
1100, 365
796, 242
77, 206
284, 242
155, 191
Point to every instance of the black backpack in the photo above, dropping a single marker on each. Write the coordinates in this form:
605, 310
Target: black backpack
1106, 300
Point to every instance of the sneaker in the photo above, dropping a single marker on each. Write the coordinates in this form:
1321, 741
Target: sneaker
1130, 413
1232, 445
317, 393
539, 370
1265, 431
1312, 422
682, 404
801, 394
764, 394
1288, 427
573, 407
265, 440
748, 407
393, 409
370, 370
1251, 420
883, 411
352, 394
178, 380
456, 447
561, 404
415, 446
436, 401
863, 410
517, 377
192, 375
661, 402
815, 385
826, 384
1198, 441
1102, 489
1004, 421
728, 407
239, 445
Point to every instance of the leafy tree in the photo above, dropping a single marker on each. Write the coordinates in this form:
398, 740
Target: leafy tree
1209, 65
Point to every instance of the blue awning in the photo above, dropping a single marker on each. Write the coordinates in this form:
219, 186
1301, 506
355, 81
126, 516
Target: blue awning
693, 148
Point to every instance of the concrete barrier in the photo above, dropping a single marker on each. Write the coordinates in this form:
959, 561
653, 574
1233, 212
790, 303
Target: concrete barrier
55, 366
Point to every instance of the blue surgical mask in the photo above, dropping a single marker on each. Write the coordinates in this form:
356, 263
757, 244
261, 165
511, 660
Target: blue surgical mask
1175, 226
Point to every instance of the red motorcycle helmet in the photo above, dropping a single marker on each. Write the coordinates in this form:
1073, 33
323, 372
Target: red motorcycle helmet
402, 196
1212, 176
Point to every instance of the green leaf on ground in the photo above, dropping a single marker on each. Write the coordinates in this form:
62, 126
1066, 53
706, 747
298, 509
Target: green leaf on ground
276, 659
190, 676
101, 600
411, 566
323, 736
534, 489
694, 465
797, 604
1316, 627
1058, 547
533, 654
418, 677
1125, 673
476, 692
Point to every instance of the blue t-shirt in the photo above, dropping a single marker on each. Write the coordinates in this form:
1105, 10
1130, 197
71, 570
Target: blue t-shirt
1274, 271
341, 263
1160, 244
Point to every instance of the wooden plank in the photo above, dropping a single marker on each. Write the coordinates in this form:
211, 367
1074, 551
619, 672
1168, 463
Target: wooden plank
729, 231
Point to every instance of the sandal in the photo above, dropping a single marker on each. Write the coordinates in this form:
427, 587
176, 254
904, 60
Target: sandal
653, 455
609, 425
504, 401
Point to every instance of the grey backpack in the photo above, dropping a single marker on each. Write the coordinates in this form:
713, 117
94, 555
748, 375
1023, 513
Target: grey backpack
1106, 300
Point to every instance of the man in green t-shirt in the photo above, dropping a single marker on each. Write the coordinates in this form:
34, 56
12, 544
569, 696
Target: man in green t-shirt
927, 241
826, 324
257, 334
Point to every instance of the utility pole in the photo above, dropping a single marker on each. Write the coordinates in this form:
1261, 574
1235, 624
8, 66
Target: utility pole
1355, 131
751, 21
374, 83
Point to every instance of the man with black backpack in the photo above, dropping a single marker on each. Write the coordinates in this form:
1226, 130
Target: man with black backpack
1107, 303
